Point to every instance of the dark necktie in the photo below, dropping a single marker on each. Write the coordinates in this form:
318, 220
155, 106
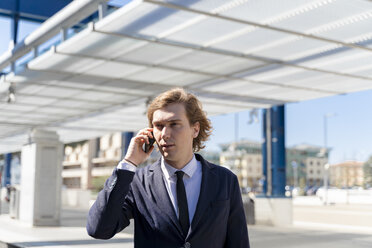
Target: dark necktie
183, 211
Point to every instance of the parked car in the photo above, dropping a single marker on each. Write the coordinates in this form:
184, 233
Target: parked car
312, 190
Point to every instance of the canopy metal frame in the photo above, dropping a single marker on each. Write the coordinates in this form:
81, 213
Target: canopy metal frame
234, 55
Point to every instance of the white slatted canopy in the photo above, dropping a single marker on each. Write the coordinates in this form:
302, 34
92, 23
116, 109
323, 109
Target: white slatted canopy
235, 55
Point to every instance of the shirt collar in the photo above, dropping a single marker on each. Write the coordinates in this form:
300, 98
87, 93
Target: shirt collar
189, 168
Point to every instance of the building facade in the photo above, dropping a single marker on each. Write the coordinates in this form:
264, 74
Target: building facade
347, 174
87, 164
91, 161
304, 164
245, 160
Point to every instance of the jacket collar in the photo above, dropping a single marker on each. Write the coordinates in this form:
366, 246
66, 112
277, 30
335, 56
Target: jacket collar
206, 196
207, 190
161, 195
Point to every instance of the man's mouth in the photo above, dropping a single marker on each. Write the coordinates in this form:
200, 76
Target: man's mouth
165, 146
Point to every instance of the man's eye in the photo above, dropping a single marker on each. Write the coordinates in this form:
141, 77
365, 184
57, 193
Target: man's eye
158, 126
174, 124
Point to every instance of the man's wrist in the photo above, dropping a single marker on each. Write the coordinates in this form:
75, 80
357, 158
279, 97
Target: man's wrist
130, 162
124, 165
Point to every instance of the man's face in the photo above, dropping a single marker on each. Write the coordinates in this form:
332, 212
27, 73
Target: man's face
174, 134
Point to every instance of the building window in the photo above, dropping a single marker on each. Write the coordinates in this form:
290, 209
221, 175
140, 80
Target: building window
72, 182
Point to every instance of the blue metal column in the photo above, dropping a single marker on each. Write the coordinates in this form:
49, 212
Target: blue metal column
125, 140
6, 175
14, 23
278, 151
264, 153
273, 184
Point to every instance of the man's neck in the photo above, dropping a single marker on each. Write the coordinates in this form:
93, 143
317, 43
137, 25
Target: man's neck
179, 164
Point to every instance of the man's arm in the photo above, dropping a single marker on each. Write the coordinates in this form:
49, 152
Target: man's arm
237, 231
113, 208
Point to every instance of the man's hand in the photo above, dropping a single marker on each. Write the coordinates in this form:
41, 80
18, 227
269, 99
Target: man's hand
135, 154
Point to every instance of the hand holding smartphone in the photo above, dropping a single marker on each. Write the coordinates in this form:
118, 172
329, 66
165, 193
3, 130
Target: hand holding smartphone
151, 143
137, 147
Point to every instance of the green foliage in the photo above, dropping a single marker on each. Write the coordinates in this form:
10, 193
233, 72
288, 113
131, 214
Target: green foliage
367, 169
98, 183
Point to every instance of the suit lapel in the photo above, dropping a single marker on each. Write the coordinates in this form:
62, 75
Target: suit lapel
207, 190
161, 195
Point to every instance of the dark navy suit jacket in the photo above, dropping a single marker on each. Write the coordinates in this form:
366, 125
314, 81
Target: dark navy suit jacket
219, 220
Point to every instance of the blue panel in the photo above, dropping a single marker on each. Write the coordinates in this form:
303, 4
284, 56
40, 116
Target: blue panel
6, 175
37, 10
44, 8
278, 151
125, 139
264, 152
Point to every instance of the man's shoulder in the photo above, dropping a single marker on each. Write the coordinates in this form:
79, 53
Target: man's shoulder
221, 174
216, 168
222, 170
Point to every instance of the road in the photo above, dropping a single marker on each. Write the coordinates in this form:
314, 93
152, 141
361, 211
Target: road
353, 218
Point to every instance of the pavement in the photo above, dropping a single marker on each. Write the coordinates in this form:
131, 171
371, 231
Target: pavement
341, 226
71, 233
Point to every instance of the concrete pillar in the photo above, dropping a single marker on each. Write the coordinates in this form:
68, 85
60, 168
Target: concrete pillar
274, 211
89, 152
40, 197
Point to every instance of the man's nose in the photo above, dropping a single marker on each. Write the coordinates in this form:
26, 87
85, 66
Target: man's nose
165, 133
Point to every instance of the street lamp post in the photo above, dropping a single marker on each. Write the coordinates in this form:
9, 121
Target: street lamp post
326, 166
325, 198
295, 174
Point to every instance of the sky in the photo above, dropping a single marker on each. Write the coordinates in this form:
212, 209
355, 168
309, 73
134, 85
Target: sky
349, 130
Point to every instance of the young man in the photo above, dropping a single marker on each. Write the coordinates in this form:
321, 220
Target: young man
181, 200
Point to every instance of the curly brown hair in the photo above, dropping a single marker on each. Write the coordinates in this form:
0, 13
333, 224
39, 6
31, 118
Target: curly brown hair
194, 112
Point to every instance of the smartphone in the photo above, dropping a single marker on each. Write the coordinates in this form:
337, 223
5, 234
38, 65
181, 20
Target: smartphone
151, 143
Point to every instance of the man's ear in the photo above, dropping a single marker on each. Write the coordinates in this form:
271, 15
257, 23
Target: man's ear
196, 128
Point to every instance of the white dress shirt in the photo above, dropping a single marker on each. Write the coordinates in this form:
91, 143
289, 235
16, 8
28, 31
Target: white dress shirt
191, 179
